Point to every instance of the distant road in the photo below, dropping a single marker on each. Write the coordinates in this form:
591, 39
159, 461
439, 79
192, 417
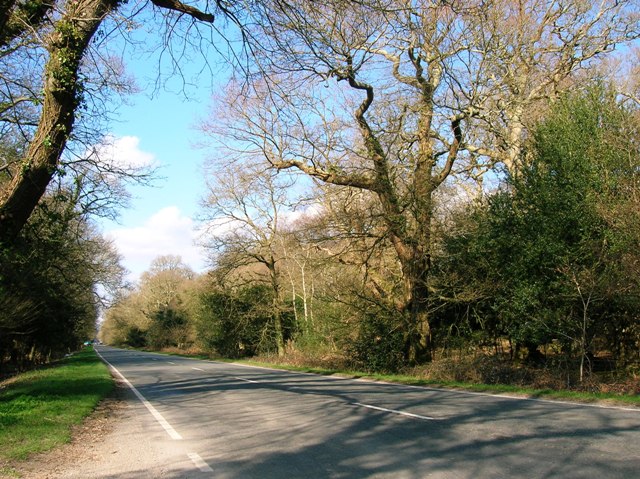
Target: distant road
234, 421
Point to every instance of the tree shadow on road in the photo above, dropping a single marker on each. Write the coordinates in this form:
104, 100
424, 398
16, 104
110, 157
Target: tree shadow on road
323, 431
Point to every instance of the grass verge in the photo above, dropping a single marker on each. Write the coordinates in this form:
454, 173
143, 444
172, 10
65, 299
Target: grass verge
39, 408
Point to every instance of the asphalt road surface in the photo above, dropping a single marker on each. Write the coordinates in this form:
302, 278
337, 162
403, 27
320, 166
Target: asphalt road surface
222, 420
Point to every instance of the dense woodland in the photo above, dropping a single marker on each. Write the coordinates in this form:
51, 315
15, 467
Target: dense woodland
542, 270
391, 185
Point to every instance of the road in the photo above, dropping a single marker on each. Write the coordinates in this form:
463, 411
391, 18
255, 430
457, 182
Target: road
223, 420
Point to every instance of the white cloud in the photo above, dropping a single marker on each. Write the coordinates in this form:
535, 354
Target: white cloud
123, 152
168, 231
309, 212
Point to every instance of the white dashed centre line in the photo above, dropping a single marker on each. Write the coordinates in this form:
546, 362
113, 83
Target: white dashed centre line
199, 462
247, 380
198, 369
393, 411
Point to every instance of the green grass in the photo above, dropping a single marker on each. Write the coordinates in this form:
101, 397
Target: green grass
562, 395
39, 408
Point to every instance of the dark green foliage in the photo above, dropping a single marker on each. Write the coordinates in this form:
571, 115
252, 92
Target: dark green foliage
379, 345
239, 323
135, 337
168, 328
550, 258
48, 306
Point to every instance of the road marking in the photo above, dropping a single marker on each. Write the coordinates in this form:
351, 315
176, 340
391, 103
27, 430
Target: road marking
171, 362
246, 380
163, 422
198, 369
393, 411
448, 391
199, 462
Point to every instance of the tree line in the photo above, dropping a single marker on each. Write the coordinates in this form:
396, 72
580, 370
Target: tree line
48, 299
540, 269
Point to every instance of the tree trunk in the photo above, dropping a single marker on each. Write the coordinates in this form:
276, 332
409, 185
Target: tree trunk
417, 269
305, 305
514, 138
417, 328
277, 322
62, 95
275, 307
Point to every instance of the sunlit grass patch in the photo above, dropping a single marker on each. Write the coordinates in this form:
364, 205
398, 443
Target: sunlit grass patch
38, 408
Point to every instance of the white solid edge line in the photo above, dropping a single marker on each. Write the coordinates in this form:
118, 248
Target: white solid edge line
394, 411
154, 412
199, 462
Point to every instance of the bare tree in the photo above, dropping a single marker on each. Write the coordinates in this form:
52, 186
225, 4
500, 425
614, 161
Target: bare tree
244, 209
524, 54
379, 128
395, 97
296, 258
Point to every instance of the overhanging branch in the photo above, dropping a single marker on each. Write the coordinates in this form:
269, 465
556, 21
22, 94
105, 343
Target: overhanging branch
178, 6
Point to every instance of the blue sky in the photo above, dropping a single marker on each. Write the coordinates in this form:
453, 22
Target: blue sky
161, 219
158, 126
